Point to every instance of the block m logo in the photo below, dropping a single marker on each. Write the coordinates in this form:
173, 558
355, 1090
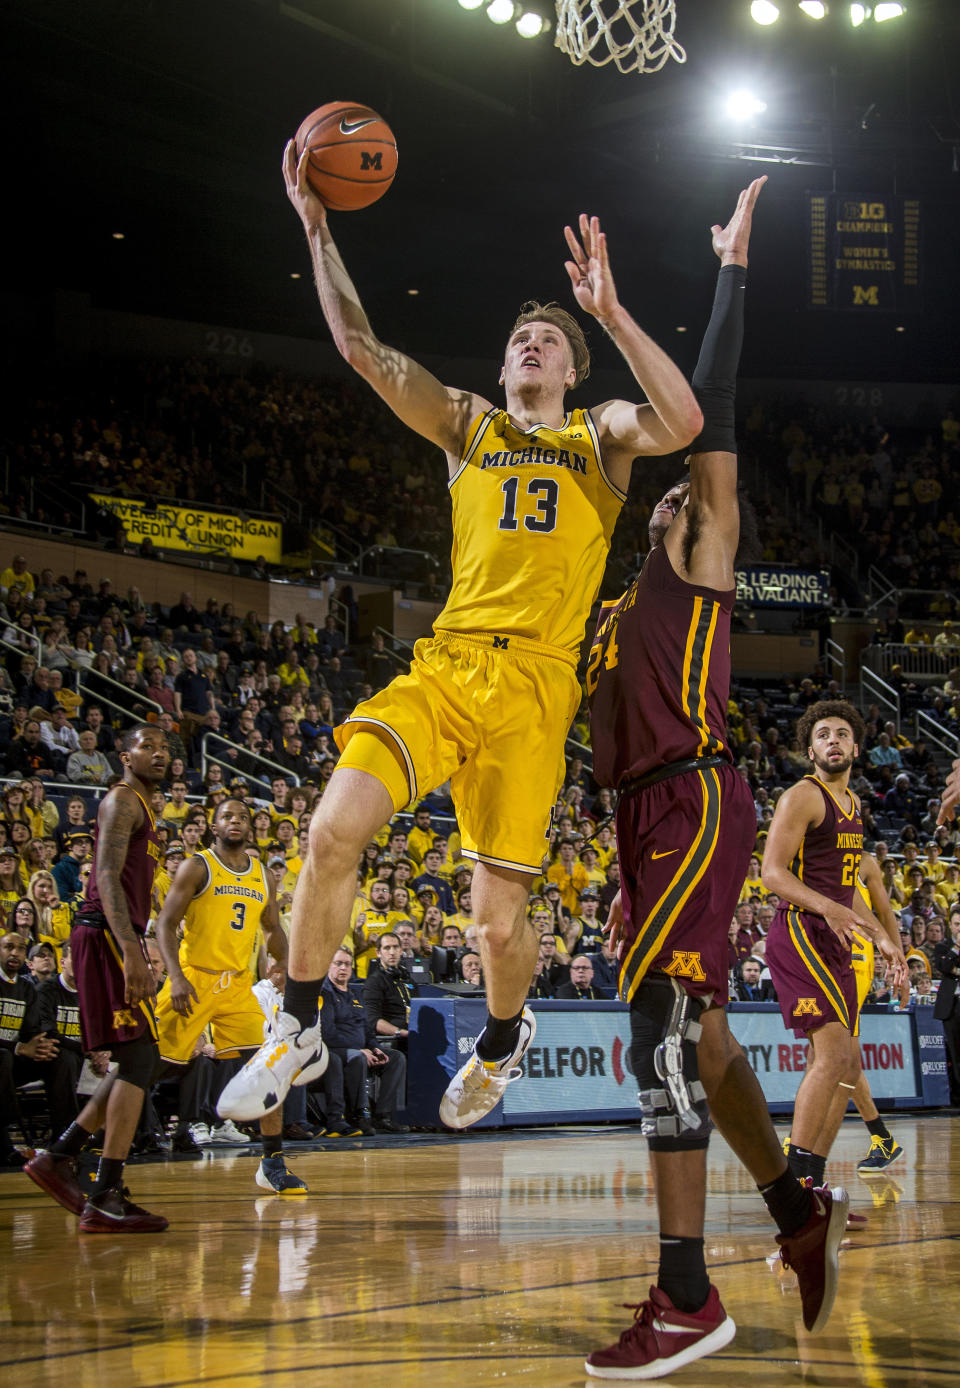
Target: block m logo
501, 642
686, 964
371, 161
866, 294
807, 1007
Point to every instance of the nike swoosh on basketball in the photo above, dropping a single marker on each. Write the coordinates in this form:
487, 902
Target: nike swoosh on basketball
665, 854
350, 127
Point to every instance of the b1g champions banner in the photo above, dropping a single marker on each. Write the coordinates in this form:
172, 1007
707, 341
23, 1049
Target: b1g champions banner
863, 253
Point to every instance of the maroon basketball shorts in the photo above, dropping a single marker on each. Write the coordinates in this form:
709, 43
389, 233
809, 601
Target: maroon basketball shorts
106, 1018
684, 845
812, 971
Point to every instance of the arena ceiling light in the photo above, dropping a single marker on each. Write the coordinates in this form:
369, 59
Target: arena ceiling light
858, 13
764, 12
887, 11
531, 23
501, 11
813, 9
470, 4
744, 105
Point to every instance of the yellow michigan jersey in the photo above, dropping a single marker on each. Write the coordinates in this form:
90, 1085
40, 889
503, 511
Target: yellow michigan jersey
862, 952
223, 920
533, 515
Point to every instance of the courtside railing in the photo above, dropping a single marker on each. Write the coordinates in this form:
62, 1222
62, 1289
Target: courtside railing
874, 690
244, 757
90, 681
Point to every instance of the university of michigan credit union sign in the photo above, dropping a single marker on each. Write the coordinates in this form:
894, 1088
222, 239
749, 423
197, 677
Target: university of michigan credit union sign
199, 531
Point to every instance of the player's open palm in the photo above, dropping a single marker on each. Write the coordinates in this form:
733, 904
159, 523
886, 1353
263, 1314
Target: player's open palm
310, 209
731, 242
589, 269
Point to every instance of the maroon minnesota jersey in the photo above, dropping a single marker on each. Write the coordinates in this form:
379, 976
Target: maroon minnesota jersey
143, 854
658, 678
828, 858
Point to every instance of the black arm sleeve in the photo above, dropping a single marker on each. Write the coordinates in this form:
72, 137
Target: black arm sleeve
715, 378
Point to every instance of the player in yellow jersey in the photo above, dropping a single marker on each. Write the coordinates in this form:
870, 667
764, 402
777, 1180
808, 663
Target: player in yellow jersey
224, 897
535, 489
884, 1148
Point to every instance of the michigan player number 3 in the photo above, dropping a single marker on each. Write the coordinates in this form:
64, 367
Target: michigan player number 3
544, 518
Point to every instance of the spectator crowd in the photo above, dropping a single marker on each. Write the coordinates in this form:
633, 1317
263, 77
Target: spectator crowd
249, 711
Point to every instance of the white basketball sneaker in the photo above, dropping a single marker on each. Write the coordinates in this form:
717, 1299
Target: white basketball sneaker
288, 1056
478, 1086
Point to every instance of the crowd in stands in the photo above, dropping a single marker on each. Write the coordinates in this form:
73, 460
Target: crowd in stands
893, 495
249, 710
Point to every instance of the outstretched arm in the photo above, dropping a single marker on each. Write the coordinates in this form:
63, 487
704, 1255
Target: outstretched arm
672, 417
712, 520
437, 412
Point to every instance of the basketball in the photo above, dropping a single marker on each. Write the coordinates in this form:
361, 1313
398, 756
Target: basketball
353, 155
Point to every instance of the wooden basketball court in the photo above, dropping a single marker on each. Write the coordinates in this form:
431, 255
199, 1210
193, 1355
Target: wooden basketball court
465, 1261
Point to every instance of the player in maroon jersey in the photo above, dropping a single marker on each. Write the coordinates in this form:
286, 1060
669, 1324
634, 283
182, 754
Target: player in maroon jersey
811, 861
115, 988
659, 681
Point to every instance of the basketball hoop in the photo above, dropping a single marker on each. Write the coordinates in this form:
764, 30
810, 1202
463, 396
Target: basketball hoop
637, 35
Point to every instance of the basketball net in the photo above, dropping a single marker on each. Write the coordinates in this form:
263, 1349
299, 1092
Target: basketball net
637, 35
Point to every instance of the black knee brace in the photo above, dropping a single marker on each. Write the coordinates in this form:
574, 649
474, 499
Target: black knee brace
138, 1062
664, 1031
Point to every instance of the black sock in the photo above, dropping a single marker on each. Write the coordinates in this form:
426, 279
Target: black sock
71, 1142
109, 1174
272, 1145
817, 1169
302, 1000
879, 1129
683, 1273
788, 1201
499, 1038
798, 1160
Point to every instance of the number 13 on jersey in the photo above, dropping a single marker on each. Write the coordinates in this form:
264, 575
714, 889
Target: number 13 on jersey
544, 516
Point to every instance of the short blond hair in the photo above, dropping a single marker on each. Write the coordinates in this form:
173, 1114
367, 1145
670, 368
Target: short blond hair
534, 312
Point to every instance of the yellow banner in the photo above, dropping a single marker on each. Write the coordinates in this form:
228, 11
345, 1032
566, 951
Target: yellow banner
200, 532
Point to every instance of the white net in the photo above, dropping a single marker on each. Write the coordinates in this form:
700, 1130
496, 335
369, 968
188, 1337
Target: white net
636, 35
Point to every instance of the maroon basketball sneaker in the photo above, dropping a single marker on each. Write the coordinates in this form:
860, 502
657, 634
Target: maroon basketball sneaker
58, 1177
662, 1338
112, 1212
812, 1254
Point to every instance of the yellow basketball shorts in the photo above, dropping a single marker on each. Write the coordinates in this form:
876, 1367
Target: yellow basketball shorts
491, 715
225, 1004
862, 960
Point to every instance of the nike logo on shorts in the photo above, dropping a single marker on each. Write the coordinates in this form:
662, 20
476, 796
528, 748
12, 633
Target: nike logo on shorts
665, 854
350, 127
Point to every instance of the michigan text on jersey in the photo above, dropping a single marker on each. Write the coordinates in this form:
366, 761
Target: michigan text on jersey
534, 456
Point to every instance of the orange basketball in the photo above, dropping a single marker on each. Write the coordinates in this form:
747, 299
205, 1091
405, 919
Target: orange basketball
353, 155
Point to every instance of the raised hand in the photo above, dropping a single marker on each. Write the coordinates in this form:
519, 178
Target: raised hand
589, 270
731, 242
309, 208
